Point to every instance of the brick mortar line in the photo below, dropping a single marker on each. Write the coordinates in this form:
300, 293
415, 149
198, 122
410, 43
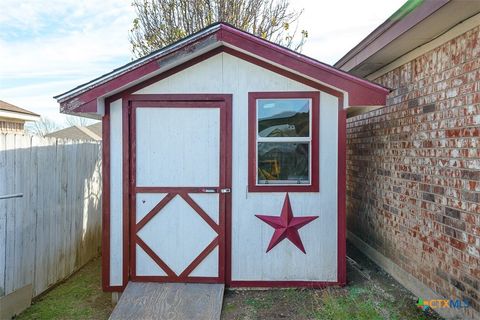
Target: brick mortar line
414, 79
415, 82
438, 195
436, 249
403, 108
432, 166
430, 157
442, 224
414, 115
418, 124
433, 85
356, 124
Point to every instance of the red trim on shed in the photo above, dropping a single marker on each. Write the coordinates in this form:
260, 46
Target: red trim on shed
361, 92
223, 102
282, 284
106, 199
252, 141
275, 56
341, 250
126, 188
341, 223
341, 197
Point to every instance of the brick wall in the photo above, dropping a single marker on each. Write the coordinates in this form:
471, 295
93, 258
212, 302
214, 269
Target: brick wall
413, 180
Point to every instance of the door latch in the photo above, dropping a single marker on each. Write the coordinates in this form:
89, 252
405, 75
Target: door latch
225, 190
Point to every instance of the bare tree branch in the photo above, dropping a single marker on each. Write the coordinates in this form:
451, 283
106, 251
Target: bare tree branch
77, 121
43, 127
161, 22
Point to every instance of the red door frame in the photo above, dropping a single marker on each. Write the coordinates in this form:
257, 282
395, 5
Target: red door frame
223, 102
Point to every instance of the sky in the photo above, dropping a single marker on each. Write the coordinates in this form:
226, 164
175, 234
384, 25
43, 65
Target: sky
50, 46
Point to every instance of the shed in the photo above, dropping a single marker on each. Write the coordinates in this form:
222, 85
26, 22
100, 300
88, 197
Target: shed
224, 162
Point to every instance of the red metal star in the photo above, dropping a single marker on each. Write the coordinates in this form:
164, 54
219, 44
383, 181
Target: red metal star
286, 226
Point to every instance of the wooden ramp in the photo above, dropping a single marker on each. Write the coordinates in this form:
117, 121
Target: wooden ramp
153, 300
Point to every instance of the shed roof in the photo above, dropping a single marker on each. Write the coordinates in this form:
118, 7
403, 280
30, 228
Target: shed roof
91, 132
219, 37
10, 107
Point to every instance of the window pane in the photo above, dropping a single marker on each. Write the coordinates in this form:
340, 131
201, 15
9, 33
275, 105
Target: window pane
283, 162
283, 117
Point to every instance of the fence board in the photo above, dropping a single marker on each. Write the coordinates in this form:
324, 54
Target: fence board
55, 228
10, 223
3, 215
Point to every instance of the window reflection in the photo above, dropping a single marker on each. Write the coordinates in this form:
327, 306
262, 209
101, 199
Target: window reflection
283, 117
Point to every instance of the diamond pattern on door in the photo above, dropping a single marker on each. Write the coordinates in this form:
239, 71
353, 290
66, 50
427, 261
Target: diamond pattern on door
146, 265
146, 202
208, 202
179, 159
169, 225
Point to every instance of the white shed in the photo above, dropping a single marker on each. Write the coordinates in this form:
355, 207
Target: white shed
223, 162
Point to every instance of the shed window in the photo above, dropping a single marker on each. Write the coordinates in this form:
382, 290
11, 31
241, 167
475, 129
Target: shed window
283, 141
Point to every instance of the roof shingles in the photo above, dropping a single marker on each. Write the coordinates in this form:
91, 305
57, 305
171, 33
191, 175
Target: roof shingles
10, 107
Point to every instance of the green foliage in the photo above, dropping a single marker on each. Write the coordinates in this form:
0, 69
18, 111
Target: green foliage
349, 306
80, 297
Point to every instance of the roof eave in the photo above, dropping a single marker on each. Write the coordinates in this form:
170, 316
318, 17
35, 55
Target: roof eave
138, 63
23, 116
405, 18
84, 98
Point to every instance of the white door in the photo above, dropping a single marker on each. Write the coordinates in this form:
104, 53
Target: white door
179, 185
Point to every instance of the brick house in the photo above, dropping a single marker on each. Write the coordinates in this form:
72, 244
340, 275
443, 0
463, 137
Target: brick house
13, 118
413, 167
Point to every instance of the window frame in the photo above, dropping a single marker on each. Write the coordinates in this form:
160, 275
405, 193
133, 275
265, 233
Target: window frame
313, 140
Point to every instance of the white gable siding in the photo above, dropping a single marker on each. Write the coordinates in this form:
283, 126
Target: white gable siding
224, 73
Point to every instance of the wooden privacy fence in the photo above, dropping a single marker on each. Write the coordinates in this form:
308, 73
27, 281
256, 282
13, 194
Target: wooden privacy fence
55, 228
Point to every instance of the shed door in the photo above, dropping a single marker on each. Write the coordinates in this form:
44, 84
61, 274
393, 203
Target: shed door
178, 190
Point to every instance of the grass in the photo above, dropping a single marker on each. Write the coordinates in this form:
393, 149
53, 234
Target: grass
351, 305
365, 302
381, 297
80, 297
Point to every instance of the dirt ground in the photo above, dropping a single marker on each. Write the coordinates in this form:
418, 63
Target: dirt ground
370, 294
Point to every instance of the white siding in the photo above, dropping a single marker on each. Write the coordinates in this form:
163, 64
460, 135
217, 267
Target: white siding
116, 202
170, 154
224, 73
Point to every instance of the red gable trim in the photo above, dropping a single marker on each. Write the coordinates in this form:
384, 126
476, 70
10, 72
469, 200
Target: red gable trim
360, 92
89, 97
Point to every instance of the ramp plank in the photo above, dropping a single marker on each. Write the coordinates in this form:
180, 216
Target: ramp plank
172, 301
